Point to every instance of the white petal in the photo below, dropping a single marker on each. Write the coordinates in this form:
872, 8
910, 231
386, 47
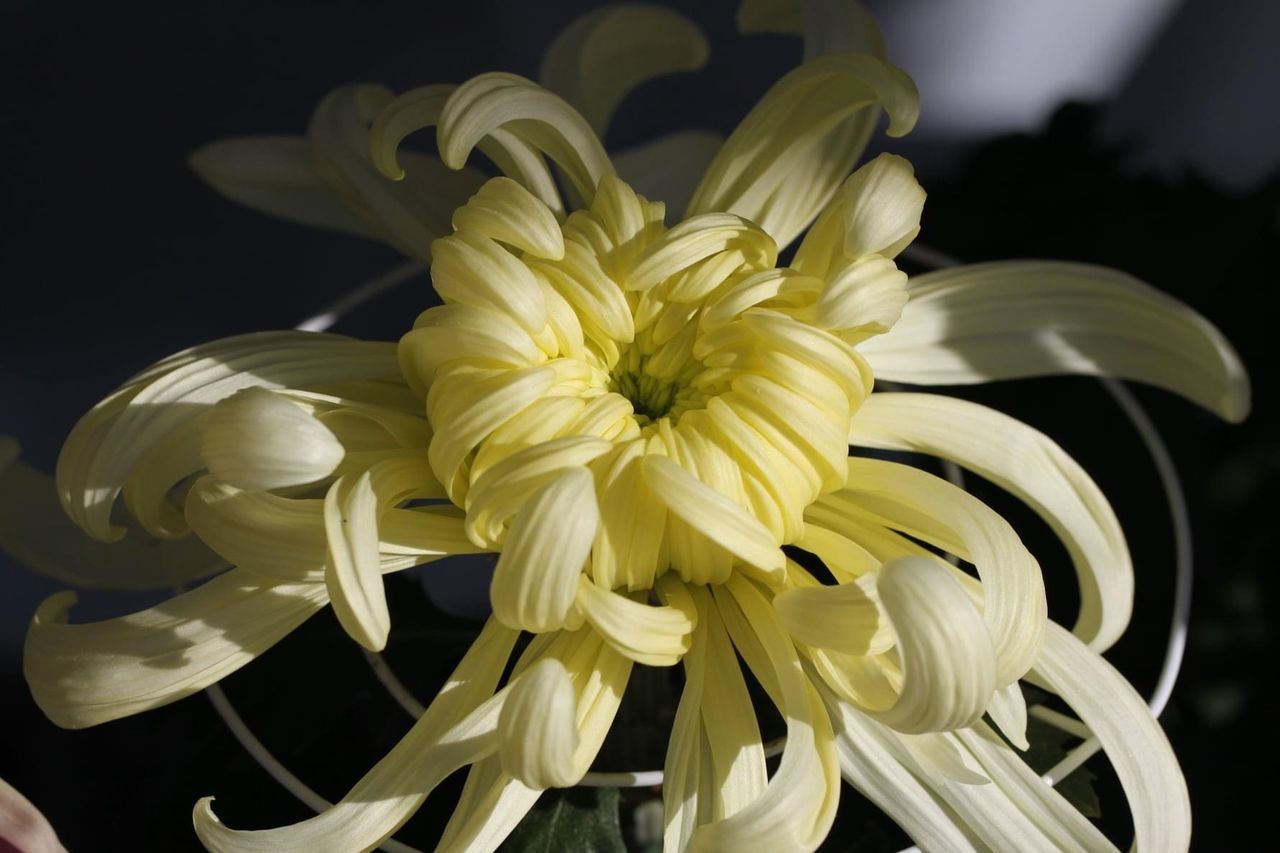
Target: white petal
934, 510
459, 728
108, 442
274, 175
1022, 460
604, 54
84, 674
37, 534
258, 440
786, 159
868, 764
408, 214
1138, 749
797, 807
536, 581
948, 665
1011, 319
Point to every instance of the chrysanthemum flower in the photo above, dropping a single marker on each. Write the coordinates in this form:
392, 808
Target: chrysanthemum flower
637, 417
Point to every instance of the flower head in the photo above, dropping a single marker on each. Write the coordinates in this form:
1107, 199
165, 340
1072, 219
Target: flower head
638, 417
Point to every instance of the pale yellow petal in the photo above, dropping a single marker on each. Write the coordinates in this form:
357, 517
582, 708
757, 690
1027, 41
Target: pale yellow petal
882, 205
945, 652
536, 731
862, 299
505, 211
84, 674
599, 58
1031, 466
869, 763
845, 618
421, 108
1012, 319
472, 269
496, 101
713, 515
353, 573
23, 828
781, 180
796, 808
654, 636
536, 581
491, 805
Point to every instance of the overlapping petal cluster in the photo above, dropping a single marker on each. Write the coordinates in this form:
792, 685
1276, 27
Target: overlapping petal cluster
638, 417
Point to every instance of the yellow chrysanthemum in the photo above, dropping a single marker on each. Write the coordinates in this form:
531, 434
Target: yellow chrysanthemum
637, 418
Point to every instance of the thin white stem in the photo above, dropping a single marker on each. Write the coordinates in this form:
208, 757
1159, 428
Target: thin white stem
277, 771
1059, 720
375, 286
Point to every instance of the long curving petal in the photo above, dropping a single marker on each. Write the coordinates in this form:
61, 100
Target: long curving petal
542, 120
1031, 466
84, 674
37, 533
1012, 319
459, 728
109, 442
1133, 740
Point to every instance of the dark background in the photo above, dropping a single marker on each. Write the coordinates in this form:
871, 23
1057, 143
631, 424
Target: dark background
115, 255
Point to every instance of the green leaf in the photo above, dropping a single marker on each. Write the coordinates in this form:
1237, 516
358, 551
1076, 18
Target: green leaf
570, 820
1048, 746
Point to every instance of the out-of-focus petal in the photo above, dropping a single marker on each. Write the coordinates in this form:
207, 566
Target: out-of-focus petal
23, 829
276, 176
595, 61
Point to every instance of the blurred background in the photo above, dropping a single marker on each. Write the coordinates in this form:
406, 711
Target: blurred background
1141, 135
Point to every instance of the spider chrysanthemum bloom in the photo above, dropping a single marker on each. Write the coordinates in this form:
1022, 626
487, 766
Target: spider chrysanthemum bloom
637, 418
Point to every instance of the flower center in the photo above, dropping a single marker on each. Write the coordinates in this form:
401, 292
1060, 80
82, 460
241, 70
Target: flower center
677, 365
